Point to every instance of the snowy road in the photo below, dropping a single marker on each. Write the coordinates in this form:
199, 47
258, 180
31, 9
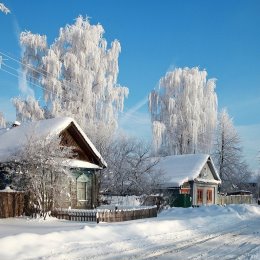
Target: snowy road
201, 233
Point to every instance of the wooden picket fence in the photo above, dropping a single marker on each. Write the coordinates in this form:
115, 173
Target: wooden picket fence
105, 215
235, 199
75, 214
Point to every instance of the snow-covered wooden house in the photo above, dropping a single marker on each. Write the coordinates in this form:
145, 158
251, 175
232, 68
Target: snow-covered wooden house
83, 188
192, 174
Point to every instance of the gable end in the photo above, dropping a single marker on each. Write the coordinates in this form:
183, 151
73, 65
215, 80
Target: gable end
71, 137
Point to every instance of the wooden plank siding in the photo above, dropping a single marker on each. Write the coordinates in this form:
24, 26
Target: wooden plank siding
11, 204
72, 137
69, 141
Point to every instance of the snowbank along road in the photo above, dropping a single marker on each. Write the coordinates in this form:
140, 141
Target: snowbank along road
215, 232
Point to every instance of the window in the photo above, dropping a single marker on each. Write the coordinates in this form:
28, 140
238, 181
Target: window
199, 196
209, 196
81, 190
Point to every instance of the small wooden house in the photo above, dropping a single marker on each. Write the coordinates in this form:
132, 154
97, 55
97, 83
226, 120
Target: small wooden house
83, 189
192, 174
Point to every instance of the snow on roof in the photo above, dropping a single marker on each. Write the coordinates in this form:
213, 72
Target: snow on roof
177, 169
8, 189
80, 164
13, 140
16, 123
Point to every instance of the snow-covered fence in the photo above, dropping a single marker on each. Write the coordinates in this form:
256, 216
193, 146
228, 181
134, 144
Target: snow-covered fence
104, 215
127, 214
235, 199
11, 203
75, 214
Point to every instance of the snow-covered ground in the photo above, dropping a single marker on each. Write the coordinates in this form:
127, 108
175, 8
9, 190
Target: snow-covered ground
214, 232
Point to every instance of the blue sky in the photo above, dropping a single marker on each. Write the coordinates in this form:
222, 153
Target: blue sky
220, 36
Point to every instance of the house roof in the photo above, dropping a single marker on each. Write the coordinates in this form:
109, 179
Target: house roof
13, 140
177, 169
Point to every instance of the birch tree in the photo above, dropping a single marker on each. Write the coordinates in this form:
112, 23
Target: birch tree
234, 171
78, 75
184, 112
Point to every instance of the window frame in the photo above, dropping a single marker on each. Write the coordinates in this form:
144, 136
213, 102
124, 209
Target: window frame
209, 196
199, 196
81, 191
83, 179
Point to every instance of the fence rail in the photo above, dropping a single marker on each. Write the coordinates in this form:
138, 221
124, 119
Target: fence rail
235, 199
105, 215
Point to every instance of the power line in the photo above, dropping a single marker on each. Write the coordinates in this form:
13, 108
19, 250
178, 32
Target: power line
17, 76
65, 83
36, 79
26, 65
44, 71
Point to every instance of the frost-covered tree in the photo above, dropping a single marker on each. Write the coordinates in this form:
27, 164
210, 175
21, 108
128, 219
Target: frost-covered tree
131, 168
2, 121
184, 112
4, 9
28, 108
233, 169
40, 170
78, 75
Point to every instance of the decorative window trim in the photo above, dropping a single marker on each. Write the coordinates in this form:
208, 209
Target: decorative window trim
209, 196
82, 192
200, 196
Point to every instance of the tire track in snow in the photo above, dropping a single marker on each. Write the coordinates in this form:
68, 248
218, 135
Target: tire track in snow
69, 250
152, 246
192, 242
159, 249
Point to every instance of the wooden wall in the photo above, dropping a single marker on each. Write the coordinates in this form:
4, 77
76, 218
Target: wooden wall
11, 204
